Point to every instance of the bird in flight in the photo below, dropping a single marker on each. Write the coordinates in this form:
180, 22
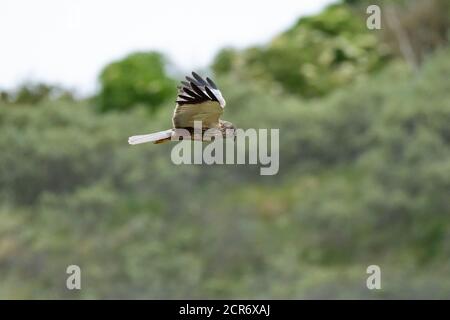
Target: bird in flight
197, 100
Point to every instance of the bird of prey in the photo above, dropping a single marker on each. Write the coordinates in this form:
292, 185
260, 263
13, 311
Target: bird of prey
197, 100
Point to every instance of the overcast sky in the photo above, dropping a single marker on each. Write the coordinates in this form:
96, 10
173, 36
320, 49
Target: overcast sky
69, 41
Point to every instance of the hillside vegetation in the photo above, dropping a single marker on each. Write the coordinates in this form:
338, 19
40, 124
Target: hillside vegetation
364, 173
364, 179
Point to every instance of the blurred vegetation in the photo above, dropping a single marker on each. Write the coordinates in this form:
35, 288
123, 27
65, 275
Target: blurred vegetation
139, 78
34, 93
317, 55
364, 179
411, 28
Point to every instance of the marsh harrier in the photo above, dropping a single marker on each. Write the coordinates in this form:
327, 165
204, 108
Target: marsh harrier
197, 100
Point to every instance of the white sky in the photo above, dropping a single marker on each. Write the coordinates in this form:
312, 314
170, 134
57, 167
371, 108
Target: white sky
69, 41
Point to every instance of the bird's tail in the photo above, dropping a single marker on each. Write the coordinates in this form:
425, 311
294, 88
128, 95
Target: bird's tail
157, 137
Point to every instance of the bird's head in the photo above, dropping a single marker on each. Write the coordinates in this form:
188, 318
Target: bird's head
227, 128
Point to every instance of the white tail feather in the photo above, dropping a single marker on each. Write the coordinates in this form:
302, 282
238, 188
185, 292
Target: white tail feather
150, 137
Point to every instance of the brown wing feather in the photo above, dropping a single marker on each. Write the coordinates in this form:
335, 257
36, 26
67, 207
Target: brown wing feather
207, 112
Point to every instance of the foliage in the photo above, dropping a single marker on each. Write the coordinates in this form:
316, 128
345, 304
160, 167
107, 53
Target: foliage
412, 29
318, 54
35, 93
363, 180
139, 78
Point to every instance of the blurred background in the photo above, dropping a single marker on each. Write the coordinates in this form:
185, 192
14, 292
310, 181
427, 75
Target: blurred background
364, 150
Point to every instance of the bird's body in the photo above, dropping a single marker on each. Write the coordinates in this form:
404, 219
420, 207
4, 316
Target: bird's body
197, 101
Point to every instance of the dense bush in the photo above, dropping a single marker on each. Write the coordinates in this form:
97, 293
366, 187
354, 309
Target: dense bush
412, 29
139, 78
363, 180
35, 93
317, 55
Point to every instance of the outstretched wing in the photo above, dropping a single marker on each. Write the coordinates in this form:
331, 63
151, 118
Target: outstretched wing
198, 100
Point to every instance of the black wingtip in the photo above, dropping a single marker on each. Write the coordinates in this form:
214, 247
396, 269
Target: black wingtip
189, 79
187, 98
211, 94
198, 90
211, 83
199, 79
